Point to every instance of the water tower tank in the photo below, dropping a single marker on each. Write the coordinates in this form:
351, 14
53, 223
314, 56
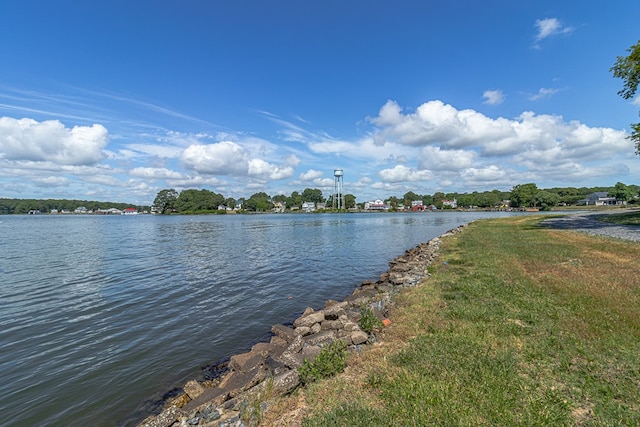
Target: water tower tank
338, 172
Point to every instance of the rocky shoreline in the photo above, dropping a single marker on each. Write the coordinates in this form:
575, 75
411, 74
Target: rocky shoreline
271, 368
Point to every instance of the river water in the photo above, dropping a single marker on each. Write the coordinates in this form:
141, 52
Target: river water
100, 315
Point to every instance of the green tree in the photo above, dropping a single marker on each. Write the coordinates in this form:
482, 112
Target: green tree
409, 197
312, 195
258, 202
546, 200
349, 201
166, 199
193, 201
524, 195
280, 198
294, 200
627, 68
621, 192
393, 201
230, 202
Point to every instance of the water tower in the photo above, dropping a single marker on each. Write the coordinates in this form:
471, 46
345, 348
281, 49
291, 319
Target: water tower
338, 181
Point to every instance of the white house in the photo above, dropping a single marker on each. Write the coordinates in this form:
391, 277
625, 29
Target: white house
600, 198
451, 203
376, 205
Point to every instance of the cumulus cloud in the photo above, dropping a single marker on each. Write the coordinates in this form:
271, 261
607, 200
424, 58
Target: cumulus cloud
222, 158
155, 173
493, 97
50, 181
435, 158
400, 173
310, 175
485, 175
228, 158
50, 141
259, 168
435, 124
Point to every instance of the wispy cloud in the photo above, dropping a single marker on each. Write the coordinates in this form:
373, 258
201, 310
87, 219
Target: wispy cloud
543, 93
549, 27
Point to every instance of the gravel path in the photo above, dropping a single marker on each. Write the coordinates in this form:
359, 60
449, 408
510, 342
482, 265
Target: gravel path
588, 223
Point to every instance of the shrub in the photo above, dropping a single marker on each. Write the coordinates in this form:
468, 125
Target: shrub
368, 321
330, 361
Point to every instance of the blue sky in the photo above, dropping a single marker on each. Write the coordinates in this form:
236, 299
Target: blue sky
117, 100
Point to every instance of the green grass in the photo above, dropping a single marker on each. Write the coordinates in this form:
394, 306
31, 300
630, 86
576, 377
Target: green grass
521, 326
627, 218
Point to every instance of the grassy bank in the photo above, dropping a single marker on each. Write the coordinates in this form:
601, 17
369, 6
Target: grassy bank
627, 218
518, 325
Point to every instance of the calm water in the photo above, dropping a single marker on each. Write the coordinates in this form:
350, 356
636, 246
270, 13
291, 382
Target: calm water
99, 315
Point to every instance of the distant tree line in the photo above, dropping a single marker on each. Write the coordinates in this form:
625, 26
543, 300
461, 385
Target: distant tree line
521, 195
206, 201
193, 201
23, 206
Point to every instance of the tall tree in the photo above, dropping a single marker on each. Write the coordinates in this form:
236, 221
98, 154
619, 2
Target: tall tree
621, 192
627, 68
258, 202
524, 195
546, 200
165, 200
198, 201
312, 195
349, 201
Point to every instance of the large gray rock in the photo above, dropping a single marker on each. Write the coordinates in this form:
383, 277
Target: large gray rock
284, 332
310, 319
193, 389
246, 362
359, 337
320, 338
164, 419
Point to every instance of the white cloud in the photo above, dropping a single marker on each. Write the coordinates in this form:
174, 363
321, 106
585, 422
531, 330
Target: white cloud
229, 158
435, 158
259, 168
493, 97
222, 158
50, 141
435, 124
310, 175
544, 93
50, 181
155, 173
489, 174
400, 173
550, 27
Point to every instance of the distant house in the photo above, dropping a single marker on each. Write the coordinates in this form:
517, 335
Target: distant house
417, 205
278, 207
600, 198
80, 210
375, 205
130, 211
453, 204
308, 206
